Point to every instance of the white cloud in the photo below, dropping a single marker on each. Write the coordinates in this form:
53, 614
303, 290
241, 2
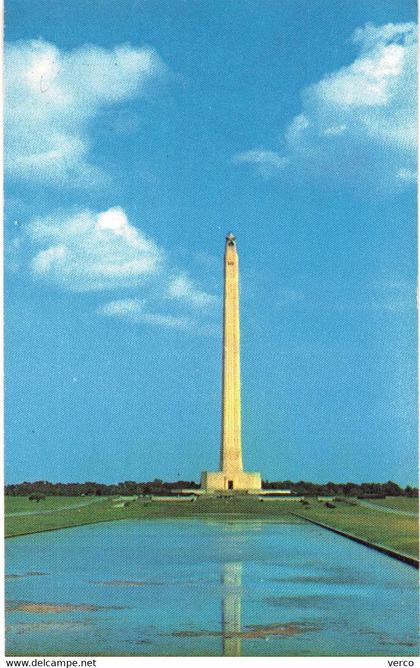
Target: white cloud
260, 156
45, 260
93, 251
182, 288
52, 95
100, 251
133, 310
358, 124
394, 295
335, 130
405, 174
296, 128
123, 307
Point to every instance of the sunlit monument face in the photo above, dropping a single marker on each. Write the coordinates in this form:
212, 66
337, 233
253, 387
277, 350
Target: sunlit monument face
231, 475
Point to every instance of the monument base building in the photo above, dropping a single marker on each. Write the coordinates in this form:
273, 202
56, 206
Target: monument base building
214, 481
231, 475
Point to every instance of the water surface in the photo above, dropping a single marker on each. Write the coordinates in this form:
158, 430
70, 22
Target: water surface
205, 587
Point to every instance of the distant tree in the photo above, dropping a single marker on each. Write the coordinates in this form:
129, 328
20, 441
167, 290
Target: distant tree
331, 488
391, 488
350, 489
37, 497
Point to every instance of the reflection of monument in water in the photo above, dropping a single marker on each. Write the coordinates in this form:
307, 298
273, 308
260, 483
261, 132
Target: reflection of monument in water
231, 608
231, 580
235, 535
231, 475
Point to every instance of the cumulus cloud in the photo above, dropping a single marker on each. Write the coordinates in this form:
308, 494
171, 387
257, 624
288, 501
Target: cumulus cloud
182, 288
101, 251
409, 175
93, 251
358, 123
123, 307
136, 311
51, 97
266, 161
394, 295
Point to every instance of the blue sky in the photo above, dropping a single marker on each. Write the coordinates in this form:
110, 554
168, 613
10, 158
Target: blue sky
137, 134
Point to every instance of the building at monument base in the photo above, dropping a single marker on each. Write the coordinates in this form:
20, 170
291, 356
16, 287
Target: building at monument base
222, 481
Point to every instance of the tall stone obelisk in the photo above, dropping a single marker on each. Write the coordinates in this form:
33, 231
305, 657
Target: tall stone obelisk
231, 449
231, 475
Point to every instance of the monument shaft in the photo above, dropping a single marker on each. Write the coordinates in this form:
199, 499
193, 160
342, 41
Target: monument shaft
231, 475
231, 448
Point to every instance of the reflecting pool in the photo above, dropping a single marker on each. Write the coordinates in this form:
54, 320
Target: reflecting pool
202, 587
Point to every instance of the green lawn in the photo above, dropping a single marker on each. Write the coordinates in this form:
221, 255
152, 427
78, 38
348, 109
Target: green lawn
399, 503
21, 504
56, 519
398, 532
99, 510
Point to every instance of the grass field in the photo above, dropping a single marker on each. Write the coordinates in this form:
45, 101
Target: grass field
21, 504
396, 531
392, 530
99, 510
398, 502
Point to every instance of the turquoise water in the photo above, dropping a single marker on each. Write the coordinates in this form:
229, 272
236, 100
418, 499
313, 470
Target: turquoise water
200, 587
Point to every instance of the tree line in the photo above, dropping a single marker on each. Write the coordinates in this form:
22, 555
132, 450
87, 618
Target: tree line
368, 489
156, 487
126, 488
